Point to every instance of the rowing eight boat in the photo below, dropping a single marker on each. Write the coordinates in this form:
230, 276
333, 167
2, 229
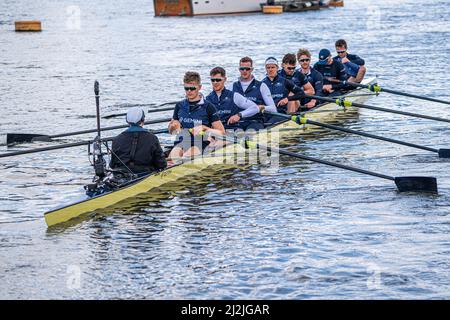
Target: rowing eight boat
328, 112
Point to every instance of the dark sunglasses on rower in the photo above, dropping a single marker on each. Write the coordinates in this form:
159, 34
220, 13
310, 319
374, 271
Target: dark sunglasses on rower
190, 88
304, 60
245, 68
216, 79
341, 51
290, 68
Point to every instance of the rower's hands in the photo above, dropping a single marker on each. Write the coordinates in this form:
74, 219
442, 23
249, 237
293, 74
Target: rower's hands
283, 102
199, 130
345, 60
310, 104
234, 119
328, 88
174, 125
261, 108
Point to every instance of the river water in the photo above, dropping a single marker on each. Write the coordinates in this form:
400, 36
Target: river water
308, 232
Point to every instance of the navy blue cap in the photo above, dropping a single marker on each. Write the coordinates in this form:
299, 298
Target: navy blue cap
323, 56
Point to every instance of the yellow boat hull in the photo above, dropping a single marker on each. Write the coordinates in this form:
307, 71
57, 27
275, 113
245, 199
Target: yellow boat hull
224, 156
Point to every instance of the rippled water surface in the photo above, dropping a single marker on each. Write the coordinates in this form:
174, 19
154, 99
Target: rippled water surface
306, 232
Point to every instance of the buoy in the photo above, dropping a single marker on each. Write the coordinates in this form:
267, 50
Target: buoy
272, 9
336, 3
28, 26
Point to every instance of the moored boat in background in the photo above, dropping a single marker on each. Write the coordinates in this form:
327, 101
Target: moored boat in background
204, 7
219, 7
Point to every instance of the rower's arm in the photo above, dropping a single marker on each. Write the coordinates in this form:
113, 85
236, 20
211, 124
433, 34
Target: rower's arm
267, 97
309, 89
298, 92
318, 84
341, 75
249, 107
217, 128
356, 59
174, 124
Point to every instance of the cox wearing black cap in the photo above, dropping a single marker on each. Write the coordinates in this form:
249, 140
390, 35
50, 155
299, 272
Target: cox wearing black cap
137, 149
333, 73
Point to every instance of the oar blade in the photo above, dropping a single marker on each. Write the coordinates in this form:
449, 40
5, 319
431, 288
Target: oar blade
416, 184
12, 138
444, 153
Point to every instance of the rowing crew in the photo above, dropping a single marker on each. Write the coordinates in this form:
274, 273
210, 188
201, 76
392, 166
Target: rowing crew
238, 107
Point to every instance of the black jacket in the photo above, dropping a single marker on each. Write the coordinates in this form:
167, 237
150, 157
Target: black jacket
148, 155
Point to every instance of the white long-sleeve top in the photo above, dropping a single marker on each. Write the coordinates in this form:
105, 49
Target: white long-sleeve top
265, 93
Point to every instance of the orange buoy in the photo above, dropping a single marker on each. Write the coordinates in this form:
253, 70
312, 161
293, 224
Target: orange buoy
272, 9
336, 3
28, 26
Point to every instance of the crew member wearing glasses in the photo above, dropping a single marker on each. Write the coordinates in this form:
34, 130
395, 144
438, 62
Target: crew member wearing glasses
289, 72
333, 72
353, 64
192, 118
282, 89
254, 90
232, 108
312, 76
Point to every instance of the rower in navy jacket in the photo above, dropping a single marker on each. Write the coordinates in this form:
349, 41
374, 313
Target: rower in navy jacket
232, 108
192, 118
254, 90
312, 75
353, 64
136, 148
333, 73
289, 71
280, 89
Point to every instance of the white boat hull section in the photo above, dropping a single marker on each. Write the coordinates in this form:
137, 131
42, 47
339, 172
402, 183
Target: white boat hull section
207, 7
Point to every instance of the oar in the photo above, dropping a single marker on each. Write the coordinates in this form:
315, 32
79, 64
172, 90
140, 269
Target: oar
66, 145
149, 111
443, 153
347, 103
25, 137
404, 184
376, 88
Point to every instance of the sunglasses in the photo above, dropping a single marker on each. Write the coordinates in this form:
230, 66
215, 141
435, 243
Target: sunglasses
290, 68
341, 51
304, 60
190, 88
216, 79
245, 68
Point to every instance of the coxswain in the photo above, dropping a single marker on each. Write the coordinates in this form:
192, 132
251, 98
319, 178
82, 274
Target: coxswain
282, 90
333, 72
232, 107
353, 64
254, 90
137, 149
313, 76
194, 120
